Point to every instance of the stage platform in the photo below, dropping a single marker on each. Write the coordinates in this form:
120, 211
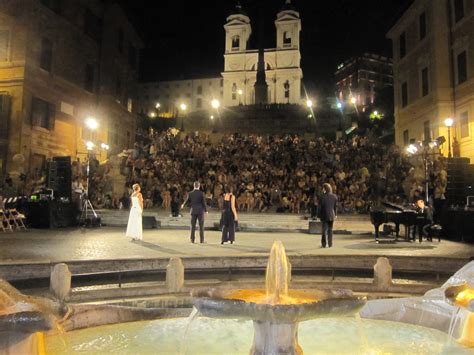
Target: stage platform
32, 253
249, 221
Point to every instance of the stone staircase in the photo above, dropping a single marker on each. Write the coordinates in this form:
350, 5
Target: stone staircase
248, 221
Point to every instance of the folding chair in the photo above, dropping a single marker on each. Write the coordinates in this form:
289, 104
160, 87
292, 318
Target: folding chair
17, 218
4, 222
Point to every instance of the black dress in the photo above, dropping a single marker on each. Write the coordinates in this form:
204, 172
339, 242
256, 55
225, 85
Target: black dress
228, 222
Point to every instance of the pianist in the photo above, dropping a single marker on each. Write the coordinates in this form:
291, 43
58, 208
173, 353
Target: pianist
424, 220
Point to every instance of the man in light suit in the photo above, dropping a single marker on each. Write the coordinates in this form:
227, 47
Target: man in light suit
327, 214
198, 208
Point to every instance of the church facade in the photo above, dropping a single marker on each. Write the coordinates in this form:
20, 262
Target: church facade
282, 64
282, 70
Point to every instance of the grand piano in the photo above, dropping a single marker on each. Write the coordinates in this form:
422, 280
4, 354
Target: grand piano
387, 212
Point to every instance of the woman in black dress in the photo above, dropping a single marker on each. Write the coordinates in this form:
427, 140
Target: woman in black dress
229, 216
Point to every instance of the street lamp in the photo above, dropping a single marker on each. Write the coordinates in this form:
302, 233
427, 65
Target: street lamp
240, 92
216, 103
158, 105
90, 146
353, 100
448, 122
212, 117
92, 123
183, 108
309, 103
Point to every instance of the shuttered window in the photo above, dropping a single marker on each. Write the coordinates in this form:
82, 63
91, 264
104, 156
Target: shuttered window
42, 113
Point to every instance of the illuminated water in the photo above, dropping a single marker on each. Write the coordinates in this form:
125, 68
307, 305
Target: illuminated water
215, 336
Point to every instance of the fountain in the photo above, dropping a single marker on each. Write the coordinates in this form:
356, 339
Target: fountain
276, 311
22, 316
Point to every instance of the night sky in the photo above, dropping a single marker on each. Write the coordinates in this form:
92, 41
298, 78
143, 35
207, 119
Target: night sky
185, 39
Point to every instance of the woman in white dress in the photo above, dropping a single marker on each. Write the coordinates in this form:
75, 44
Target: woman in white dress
134, 226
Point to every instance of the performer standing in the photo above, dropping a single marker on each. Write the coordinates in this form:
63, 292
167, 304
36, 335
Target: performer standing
327, 213
229, 217
134, 226
198, 208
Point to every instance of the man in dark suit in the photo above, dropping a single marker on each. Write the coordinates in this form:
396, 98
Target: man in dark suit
198, 208
327, 214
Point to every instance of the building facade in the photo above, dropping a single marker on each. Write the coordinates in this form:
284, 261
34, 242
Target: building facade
236, 85
165, 98
361, 78
433, 47
61, 62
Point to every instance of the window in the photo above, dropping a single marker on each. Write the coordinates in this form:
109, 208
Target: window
422, 25
54, 5
5, 103
120, 40
464, 120
402, 45
42, 113
458, 10
427, 131
234, 91
92, 25
404, 93
89, 78
199, 103
132, 56
286, 86
406, 140
199, 90
46, 60
425, 87
286, 39
235, 43
461, 61
4, 39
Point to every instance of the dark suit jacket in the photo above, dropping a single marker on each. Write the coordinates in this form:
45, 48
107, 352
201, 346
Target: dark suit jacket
327, 207
198, 202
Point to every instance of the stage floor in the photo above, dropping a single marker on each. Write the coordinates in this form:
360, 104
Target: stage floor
110, 243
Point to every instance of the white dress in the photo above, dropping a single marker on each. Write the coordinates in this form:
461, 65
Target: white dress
134, 226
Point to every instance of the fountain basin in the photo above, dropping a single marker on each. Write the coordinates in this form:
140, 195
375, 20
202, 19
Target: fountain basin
300, 305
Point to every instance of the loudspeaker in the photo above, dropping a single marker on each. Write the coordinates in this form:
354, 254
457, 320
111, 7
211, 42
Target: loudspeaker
314, 227
149, 222
59, 177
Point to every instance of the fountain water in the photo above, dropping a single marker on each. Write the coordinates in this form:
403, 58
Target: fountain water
276, 311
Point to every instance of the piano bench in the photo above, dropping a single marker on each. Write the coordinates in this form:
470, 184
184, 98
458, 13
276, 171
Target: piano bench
434, 231
388, 229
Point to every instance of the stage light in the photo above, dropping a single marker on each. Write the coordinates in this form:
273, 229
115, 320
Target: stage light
440, 140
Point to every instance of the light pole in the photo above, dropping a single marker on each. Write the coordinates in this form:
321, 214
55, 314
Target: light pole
215, 105
183, 108
448, 122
